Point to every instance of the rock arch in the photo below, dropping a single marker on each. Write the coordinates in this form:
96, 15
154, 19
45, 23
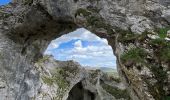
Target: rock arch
27, 27
79, 93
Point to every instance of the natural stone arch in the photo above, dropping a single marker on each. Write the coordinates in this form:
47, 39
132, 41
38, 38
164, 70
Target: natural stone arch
27, 27
79, 93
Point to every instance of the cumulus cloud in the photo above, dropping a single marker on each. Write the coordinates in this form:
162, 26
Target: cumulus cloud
78, 44
81, 34
100, 55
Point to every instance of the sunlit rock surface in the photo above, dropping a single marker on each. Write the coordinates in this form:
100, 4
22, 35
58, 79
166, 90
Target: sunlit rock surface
67, 80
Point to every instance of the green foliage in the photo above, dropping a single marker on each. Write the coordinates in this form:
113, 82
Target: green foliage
92, 20
157, 89
167, 98
59, 77
117, 93
128, 36
162, 49
159, 73
29, 2
116, 79
4, 15
164, 54
158, 42
163, 32
43, 59
99, 22
93, 9
135, 55
82, 11
47, 80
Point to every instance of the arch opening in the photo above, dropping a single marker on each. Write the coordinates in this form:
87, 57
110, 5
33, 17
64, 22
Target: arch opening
79, 93
83, 47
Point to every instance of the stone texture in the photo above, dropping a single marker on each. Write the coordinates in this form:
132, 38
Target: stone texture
28, 26
67, 80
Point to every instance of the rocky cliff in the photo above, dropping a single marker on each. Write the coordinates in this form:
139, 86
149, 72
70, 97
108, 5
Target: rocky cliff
137, 30
67, 80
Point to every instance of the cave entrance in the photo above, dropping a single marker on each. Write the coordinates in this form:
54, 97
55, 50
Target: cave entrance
84, 47
78, 92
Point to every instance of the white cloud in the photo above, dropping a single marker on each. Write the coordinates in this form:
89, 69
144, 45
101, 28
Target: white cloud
81, 34
92, 55
78, 44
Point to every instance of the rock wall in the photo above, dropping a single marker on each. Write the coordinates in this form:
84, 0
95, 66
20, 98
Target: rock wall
67, 80
137, 30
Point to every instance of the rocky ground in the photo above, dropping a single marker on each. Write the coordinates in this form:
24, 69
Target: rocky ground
67, 80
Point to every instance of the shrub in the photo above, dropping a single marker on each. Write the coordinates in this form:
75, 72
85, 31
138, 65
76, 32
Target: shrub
117, 93
160, 75
82, 11
162, 49
135, 55
164, 54
163, 32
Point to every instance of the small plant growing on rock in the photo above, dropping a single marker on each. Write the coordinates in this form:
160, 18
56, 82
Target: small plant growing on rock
162, 49
163, 32
128, 36
160, 75
133, 56
117, 93
82, 11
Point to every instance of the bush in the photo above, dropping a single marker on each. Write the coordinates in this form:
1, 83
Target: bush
162, 49
163, 32
135, 55
82, 11
117, 93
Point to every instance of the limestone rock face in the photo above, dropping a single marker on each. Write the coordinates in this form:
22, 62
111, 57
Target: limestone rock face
136, 30
67, 80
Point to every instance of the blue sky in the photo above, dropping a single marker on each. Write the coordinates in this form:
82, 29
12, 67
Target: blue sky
3, 2
83, 47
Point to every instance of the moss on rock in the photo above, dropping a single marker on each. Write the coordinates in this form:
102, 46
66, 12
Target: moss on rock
117, 93
134, 55
82, 11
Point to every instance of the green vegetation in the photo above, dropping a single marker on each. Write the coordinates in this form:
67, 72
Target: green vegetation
162, 49
134, 55
117, 93
163, 32
58, 77
158, 42
5, 15
82, 11
164, 54
29, 2
47, 80
128, 36
93, 9
94, 20
157, 89
167, 98
43, 59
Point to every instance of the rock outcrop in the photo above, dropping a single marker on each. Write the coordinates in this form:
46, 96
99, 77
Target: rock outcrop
67, 80
137, 30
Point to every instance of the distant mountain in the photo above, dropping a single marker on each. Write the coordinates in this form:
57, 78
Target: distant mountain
106, 69
109, 71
